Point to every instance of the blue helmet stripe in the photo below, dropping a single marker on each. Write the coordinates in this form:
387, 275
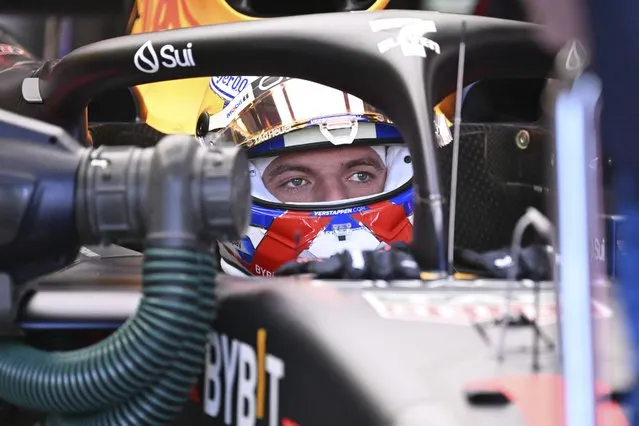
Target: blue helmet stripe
272, 144
405, 199
387, 131
263, 217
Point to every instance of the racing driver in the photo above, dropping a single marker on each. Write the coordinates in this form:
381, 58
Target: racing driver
329, 172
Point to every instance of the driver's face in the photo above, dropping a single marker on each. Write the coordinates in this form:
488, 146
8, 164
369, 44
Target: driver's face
325, 175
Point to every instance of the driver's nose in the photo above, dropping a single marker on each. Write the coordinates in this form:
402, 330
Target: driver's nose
334, 190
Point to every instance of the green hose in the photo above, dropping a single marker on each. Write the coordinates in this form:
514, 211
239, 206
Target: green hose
143, 372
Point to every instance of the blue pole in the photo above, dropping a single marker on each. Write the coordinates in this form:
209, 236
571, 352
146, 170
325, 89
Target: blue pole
574, 128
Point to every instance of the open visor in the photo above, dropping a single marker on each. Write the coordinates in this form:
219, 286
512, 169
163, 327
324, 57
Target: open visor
330, 177
272, 106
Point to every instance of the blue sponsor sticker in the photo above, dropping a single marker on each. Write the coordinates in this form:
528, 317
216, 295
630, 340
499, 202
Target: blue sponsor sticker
229, 86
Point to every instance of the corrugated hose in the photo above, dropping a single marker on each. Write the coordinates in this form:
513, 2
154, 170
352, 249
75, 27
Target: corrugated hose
143, 372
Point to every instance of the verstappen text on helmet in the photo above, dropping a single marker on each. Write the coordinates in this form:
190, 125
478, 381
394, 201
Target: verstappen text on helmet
147, 60
339, 212
236, 385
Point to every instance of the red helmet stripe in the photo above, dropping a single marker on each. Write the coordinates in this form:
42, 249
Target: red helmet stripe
387, 221
287, 237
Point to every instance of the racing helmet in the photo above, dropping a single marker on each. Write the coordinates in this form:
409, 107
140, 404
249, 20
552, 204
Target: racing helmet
329, 172
156, 101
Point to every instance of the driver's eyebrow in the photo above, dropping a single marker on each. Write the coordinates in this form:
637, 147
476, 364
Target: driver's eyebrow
366, 161
283, 168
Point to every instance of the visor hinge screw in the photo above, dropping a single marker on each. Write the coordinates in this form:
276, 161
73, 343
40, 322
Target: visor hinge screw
522, 140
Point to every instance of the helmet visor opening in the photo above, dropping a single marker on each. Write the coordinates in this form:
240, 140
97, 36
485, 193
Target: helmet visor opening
328, 177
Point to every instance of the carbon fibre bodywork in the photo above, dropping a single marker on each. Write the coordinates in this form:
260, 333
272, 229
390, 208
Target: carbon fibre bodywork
344, 359
498, 179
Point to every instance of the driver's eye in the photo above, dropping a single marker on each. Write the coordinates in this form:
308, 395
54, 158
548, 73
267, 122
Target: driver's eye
295, 182
361, 177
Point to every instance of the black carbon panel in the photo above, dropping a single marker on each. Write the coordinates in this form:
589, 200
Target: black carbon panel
497, 181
